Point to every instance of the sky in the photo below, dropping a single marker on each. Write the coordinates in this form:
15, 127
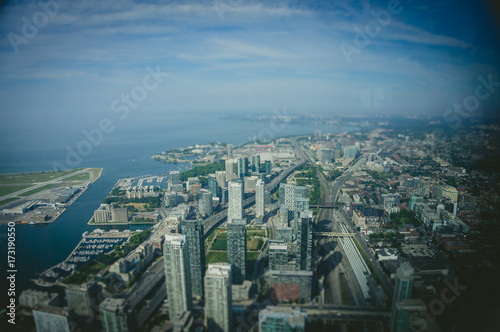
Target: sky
75, 62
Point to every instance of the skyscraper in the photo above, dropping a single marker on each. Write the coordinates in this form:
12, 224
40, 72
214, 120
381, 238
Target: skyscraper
282, 190
52, 319
402, 289
301, 202
237, 249
218, 297
304, 241
259, 199
213, 186
174, 180
115, 316
235, 190
267, 167
278, 255
409, 315
242, 167
229, 151
301, 192
81, 298
229, 169
287, 199
174, 177
326, 155
351, 151
224, 194
193, 230
205, 203
170, 198
245, 166
404, 282
256, 163
177, 274
241, 173
220, 176
284, 233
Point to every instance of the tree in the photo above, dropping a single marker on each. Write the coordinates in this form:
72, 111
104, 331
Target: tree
203, 170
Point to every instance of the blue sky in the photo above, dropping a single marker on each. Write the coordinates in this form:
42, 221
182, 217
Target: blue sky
235, 55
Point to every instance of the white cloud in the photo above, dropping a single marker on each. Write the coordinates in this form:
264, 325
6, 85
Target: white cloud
107, 43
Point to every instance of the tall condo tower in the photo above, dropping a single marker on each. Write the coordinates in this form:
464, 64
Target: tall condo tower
237, 249
218, 297
177, 274
235, 189
193, 230
259, 199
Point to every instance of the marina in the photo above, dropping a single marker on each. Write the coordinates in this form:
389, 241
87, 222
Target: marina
91, 245
142, 183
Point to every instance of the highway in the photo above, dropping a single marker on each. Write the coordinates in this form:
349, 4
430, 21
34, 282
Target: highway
211, 222
152, 276
341, 180
327, 199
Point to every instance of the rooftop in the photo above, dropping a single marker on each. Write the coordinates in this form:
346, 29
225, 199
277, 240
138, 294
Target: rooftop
218, 269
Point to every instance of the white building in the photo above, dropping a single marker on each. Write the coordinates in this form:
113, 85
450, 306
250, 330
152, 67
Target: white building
235, 210
205, 203
177, 277
386, 254
229, 169
52, 319
174, 179
218, 297
220, 176
259, 199
107, 213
